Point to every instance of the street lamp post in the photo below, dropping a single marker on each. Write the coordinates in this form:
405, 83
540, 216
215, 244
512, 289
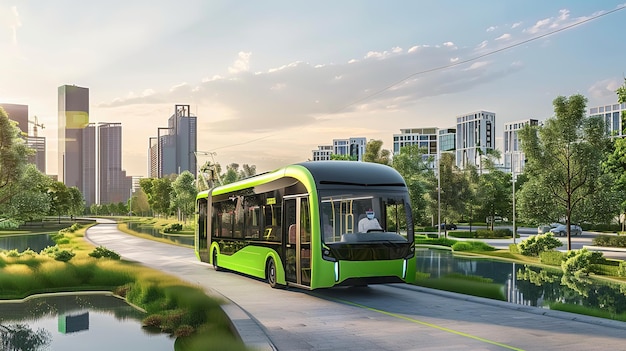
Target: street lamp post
514, 227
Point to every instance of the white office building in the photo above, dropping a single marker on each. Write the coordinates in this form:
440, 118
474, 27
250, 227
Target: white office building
613, 120
514, 158
474, 136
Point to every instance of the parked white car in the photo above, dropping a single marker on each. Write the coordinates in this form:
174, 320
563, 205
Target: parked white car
544, 228
561, 230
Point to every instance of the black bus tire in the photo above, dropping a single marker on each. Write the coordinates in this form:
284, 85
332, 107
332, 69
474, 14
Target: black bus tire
215, 266
271, 273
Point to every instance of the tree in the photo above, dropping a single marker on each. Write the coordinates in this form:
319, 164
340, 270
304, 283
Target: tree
412, 164
247, 171
455, 190
336, 157
13, 157
138, 203
31, 200
564, 156
184, 195
374, 153
494, 192
158, 191
615, 164
76, 206
232, 174
59, 199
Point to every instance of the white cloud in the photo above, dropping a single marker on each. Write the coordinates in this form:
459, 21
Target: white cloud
482, 45
448, 43
298, 94
516, 24
241, 64
541, 24
505, 36
477, 65
604, 90
492, 28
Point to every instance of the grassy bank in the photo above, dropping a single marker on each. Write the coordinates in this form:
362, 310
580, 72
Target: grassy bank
173, 306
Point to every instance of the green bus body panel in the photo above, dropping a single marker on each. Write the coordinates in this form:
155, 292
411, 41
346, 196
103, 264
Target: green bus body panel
325, 277
252, 259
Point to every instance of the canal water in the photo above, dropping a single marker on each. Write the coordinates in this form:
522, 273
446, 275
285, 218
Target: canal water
187, 240
35, 242
528, 285
70, 322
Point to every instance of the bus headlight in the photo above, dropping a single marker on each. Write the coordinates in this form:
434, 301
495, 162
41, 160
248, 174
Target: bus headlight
404, 265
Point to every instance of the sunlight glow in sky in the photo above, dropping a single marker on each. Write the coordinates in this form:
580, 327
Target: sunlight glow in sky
270, 81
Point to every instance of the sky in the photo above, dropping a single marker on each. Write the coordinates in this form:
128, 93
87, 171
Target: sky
270, 81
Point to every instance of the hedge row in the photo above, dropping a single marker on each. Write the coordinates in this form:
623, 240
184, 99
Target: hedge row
610, 240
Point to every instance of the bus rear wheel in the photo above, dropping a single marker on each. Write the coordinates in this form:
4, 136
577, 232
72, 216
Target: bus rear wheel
215, 266
271, 273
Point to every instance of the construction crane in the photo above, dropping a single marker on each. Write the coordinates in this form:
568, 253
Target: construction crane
36, 124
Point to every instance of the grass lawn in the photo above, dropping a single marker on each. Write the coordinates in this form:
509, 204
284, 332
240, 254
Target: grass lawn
176, 307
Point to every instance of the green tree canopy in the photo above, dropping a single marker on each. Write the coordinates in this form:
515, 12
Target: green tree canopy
31, 200
376, 154
13, 157
158, 191
184, 194
564, 158
412, 163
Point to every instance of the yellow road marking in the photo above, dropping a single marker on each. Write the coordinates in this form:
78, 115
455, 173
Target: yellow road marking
430, 325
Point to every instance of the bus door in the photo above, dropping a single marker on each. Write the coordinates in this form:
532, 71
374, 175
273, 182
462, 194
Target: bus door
297, 224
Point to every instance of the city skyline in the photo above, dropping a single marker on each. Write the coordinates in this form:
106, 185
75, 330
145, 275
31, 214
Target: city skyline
270, 82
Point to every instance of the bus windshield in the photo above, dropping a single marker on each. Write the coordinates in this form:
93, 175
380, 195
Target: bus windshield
365, 217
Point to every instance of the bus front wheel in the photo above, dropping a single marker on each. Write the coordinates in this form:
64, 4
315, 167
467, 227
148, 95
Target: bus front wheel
271, 273
215, 266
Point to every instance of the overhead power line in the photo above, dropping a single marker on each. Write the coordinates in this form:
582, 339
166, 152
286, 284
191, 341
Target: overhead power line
439, 68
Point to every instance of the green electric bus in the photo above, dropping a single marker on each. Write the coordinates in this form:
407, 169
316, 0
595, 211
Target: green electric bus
299, 226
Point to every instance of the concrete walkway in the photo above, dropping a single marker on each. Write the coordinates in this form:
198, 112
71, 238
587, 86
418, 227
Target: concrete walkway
382, 317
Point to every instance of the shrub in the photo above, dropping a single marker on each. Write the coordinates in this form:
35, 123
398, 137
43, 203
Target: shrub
462, 246
494, 234
581, 262
71, 229
173, 227
436, 241
9, 224
64, 255
536, 244
621, 272
513, 249
102, 251
553, 258
610, 240
471, 246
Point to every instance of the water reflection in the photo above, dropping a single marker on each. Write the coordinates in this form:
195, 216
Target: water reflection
529, 285
35, 242
65, 322
187, 240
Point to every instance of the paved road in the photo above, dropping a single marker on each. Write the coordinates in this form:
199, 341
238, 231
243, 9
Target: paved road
382, 317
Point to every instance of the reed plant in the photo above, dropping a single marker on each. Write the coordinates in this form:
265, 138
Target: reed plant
173, 306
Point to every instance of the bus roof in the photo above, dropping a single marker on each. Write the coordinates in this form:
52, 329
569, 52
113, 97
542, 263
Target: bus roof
325, 174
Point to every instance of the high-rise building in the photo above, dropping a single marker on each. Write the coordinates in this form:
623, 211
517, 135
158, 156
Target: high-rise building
447, 140
424, 138
77, 156
474, 136
322, 153
19, 114
174, 147
113, 184
514, 158
614, 116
